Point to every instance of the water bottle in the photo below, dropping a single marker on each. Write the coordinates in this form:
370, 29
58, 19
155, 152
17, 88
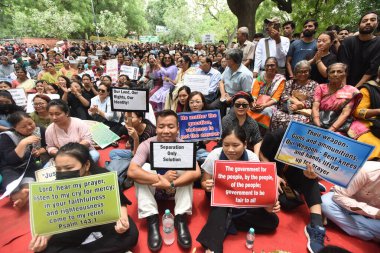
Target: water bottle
168, 226
250, 238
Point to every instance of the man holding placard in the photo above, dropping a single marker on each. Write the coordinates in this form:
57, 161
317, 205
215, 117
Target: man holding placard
149, 182
205, 68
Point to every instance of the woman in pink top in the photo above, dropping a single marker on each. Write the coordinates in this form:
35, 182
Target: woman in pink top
65, 129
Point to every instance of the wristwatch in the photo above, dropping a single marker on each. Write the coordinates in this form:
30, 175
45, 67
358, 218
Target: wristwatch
172, 186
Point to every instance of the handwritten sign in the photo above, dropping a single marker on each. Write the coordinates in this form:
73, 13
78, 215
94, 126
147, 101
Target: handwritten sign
203, 125
112, 69
71, 204
130, 71
18, 96
29, 103
129, 100
45, 174
172, 155
335, 158
199, 83
244, 184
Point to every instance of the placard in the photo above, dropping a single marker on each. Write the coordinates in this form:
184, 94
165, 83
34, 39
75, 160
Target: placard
208, 38
202, 125
45, 174
29, 104
244, 184
112, 69
129, 100
99, 52
71, 204
82, 59
18, 96
335, 158
172, 155
199, 83
130, 71
94, 57
102, 135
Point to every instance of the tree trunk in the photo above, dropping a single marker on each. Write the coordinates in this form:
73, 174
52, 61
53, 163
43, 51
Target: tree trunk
245, 11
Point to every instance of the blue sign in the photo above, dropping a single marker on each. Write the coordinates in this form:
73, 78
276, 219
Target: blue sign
202, 125
335, 158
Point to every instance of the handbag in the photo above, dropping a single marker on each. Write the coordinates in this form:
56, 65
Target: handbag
328, 118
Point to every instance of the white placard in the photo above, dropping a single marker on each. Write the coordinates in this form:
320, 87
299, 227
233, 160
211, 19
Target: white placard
208, 38
199, 83
172, 52
82, 59
29, 104
94, 57
112, 71
99, 52
129, 100
18, 96
46, 174
162, 29
172, 155
130, 71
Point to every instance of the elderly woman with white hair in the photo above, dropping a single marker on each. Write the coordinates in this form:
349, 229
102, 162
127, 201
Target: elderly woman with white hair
297, 99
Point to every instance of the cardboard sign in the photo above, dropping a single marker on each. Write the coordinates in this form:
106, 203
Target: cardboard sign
199, 83
112, 69
29, 103
102, 135
71, 204
130, 71
129, 100
335, 158
208, 38
244, 184
172, 155
18, 96
45, 174
203, 125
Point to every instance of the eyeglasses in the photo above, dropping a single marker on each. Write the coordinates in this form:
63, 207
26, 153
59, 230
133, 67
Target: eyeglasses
80, 68
102, 91
270, 65
167, 57
39, 104
195, 102
238, 105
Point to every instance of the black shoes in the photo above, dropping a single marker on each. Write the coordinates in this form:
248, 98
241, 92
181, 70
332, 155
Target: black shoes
183, 233
154, 237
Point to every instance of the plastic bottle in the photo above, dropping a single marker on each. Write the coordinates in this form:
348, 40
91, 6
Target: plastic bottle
168, 227
250, 239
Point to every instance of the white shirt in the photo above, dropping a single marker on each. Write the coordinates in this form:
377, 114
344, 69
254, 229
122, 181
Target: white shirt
279, 51
105, 107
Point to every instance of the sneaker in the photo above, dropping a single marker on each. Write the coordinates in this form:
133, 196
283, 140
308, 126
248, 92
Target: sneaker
315, 238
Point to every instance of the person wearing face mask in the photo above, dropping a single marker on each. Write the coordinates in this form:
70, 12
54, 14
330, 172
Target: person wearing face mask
225, 220
304, 48
19, 150
7, 107
73, 161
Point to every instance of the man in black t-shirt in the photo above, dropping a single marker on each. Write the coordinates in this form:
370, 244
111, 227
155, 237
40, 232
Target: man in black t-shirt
362, 52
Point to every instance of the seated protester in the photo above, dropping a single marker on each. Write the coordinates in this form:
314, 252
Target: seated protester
52, 88
40, 87
356, 210
149, 80
178, 103
296, 100
68, 70
51, 75
335, 102
148, 183
7, 107
65, 129
63, 84
88, 86
40, 115
5, 85
266, 91
78, 101
305, 182
107, 80
322, 58
138, 129
123, 81
73, 160
205, 68
21, 148
185, 69
100, 108
238, 117
225, 220
23, 81
368, 113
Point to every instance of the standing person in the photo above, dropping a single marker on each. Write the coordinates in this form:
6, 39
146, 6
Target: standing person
72, 161
304, 48
167, 73
246, 46
361, 52
288, 29
274, 46
222, 220
148, 182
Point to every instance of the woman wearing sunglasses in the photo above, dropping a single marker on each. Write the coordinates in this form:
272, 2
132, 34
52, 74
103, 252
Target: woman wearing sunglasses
238, 116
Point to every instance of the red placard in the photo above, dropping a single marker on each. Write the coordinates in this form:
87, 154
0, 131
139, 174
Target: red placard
244, 184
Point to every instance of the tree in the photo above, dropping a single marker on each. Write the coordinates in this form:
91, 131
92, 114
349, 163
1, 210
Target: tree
245, 11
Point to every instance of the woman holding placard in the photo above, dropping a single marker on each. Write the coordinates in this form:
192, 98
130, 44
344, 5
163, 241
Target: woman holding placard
72, 161
225, 220
20, 150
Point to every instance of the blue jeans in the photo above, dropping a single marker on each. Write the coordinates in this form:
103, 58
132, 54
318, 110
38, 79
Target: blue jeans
5, 123
117, 154
352, 223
